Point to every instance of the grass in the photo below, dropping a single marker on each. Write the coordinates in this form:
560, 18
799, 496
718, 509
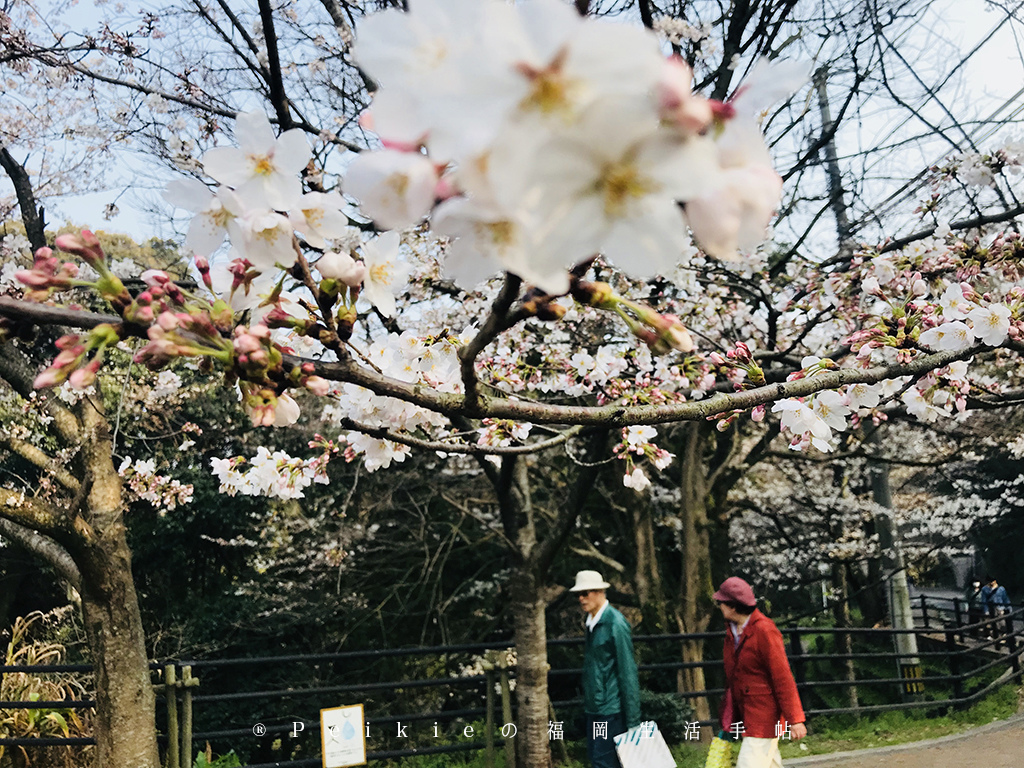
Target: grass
843, 733
835, 734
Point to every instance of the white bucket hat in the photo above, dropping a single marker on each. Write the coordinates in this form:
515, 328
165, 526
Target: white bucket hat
587, 580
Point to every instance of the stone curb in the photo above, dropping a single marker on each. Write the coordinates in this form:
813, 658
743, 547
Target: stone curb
832, 758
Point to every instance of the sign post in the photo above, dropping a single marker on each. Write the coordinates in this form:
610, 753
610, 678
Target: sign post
343, 736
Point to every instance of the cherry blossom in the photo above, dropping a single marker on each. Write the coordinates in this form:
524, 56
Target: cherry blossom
263, 168
385, 273
319, 218
396, 189
990, 324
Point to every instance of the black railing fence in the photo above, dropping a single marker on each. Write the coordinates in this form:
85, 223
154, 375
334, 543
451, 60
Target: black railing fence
457, 698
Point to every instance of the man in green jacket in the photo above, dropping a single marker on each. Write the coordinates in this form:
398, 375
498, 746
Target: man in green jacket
611, 691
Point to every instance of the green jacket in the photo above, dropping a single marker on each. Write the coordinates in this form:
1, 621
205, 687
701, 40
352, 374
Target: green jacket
610, 683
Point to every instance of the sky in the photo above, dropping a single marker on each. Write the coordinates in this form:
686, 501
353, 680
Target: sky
992, 77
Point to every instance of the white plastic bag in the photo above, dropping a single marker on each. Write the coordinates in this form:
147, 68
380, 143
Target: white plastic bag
643, 747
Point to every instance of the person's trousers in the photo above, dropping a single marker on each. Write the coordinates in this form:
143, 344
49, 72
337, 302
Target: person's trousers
759, 753
601, 748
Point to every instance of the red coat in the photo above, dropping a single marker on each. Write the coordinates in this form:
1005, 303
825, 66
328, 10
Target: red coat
758, 675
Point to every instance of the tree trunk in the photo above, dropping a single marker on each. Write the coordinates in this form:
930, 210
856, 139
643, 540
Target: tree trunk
844, 644
528, 604
648, 576
125, 703
694, 606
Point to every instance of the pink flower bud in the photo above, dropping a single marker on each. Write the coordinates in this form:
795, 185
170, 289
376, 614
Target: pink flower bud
51, 377
168, 321
85, 244
155, 277
68, 341
85, 376
317, 385
246, 343
757, 414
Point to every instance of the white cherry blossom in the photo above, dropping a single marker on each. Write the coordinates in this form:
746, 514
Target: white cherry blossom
385, 272
396, 189
318, 216
991, 323
636, 480
263, 169
213, 219
948, 336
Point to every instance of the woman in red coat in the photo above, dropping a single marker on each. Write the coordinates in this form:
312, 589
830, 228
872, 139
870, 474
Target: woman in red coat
761, 701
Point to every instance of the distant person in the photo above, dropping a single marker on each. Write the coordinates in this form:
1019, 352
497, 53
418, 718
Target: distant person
611, 690
761, 701
998, 598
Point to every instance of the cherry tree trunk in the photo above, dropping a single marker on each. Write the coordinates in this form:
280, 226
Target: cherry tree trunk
528, 604
125, 724
648, 576
694, 605
125, 728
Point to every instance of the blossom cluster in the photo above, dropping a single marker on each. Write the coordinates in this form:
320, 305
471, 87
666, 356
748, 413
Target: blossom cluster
535, 138
273, 474
145, 483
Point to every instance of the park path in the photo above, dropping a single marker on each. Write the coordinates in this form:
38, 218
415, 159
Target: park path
997, 745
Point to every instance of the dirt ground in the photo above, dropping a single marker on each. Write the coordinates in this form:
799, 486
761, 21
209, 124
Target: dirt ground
1001, 747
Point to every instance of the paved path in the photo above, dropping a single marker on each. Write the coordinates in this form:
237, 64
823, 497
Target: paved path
997, 745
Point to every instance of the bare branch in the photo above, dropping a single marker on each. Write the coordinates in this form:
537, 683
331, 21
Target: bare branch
493, 325
44, 548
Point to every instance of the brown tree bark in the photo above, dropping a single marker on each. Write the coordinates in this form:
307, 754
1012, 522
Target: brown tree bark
528, 606
89, 528
694, 606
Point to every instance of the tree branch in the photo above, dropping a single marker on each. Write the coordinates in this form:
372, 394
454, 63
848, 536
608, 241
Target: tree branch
44, 548
41, 460
454, 405
32, 513
493, 325
31, 215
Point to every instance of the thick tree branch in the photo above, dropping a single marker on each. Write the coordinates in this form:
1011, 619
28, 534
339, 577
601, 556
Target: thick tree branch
456, 405
31, 214
33, 513
41, 460
44, 548
276, 82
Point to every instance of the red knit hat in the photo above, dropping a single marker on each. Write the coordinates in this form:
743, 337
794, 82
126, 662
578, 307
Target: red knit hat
736, 590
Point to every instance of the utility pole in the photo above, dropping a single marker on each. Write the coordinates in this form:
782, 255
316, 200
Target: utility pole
898, 593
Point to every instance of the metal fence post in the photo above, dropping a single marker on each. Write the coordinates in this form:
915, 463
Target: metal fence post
187, 684
796, 652
953, 652
506, 713
924, 611
171, 697
1011, 646
489, 728
958, 614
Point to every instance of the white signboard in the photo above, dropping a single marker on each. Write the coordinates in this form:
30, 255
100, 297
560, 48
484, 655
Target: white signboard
343, 736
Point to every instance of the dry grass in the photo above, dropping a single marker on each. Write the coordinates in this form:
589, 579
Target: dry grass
24, 650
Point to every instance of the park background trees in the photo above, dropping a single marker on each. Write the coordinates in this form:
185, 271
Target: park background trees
802, 296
